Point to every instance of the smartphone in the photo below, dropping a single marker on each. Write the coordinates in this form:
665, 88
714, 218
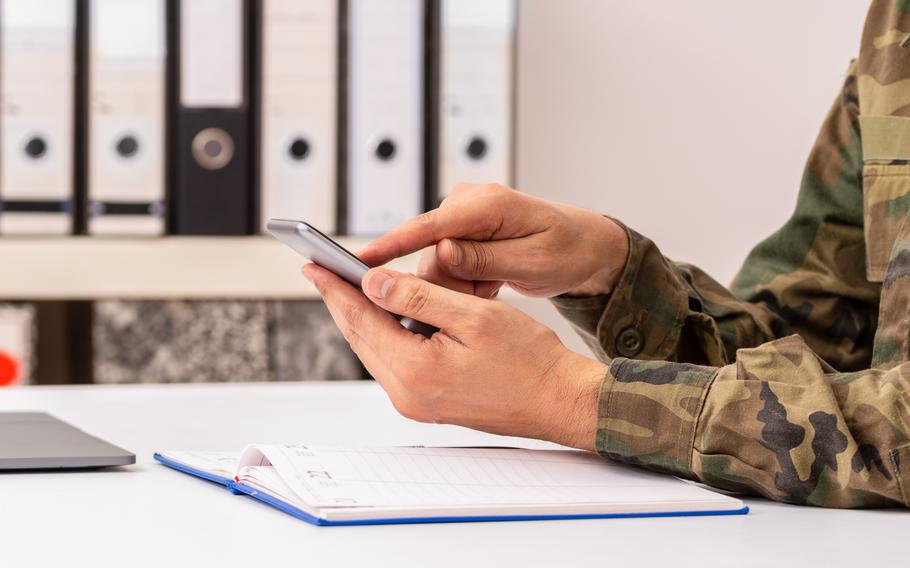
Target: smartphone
311, 244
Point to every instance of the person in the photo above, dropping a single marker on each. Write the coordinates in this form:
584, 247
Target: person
793, 384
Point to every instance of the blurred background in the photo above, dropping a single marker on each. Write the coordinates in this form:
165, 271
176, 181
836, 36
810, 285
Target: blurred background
144, 142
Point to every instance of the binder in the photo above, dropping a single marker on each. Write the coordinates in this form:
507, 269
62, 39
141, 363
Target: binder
476, 92
299, 111
126, 66
37, 97
385, 113
210, 170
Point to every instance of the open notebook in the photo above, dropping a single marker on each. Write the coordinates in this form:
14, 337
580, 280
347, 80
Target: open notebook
352, 486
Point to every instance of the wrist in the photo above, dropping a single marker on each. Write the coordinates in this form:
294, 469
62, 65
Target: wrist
573, 403
610, 249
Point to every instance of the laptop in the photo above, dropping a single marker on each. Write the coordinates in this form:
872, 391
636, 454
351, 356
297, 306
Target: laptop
35, 440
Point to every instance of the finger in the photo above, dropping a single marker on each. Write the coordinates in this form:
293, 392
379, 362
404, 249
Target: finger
374, 364
428, 269
378, 367
483, 216
363, 323
384, 368
509, 259
487, 289
407, 295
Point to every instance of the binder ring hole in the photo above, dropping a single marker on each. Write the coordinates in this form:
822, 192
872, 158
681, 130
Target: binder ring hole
36, 147
213, 148
385, 150
299, 149
127, 146
477, 148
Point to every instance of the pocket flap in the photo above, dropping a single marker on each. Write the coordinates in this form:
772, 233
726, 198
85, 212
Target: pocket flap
885, 137
886, 205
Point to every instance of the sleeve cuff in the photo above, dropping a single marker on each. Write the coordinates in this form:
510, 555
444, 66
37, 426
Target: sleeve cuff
584, 314
648, 412
643, 317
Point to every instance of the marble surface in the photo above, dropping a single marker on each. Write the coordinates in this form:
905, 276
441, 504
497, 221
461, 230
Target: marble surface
217, 341
180, 341
305, 344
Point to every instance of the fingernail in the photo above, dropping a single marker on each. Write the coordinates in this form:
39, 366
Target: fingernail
379, 284
454, 252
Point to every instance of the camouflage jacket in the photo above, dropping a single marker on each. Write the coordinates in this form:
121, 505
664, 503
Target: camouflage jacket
795, 383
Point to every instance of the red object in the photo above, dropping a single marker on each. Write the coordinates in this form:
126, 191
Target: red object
9, 369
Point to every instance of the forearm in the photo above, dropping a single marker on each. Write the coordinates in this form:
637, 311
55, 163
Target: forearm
778, 423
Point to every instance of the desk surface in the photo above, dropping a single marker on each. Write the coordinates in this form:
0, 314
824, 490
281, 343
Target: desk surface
148, 515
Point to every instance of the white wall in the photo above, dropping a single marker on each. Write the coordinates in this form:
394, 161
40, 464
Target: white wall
689, 119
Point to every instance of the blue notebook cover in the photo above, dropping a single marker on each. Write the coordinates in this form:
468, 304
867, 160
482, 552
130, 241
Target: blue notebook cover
242, 489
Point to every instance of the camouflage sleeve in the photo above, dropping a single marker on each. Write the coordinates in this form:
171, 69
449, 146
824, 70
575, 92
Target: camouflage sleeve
779, 422
662, 310
737, 388
807, 278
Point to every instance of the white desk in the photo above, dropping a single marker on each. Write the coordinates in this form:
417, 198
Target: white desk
148, 515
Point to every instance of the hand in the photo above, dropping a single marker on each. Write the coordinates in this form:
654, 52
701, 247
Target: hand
490, 367
489, 235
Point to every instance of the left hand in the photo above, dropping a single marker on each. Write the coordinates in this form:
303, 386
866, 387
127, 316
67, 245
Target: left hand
490, 367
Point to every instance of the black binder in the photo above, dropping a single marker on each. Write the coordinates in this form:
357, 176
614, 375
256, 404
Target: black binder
210, 155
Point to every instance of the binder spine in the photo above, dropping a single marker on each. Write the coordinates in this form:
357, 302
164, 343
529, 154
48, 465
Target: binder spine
299, 100
477, 92
385, 115
37, 134
210, 151
123, 114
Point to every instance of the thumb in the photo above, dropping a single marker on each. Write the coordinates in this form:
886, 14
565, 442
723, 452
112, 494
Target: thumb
485, 260
409, 296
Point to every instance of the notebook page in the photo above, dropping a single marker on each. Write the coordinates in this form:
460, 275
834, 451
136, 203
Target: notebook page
434, 477
267, 480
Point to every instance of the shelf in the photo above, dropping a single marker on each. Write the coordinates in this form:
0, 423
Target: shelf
259, 267
84, 268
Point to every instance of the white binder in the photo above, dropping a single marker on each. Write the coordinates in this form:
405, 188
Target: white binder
299, 111
385, 113
37, 92
476, 91
126, 123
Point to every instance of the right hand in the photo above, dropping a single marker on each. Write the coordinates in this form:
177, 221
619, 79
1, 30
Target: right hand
489, 235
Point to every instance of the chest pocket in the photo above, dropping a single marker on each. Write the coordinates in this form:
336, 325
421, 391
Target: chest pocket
886, 187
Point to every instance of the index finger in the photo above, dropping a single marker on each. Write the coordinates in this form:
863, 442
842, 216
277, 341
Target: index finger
471, 218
